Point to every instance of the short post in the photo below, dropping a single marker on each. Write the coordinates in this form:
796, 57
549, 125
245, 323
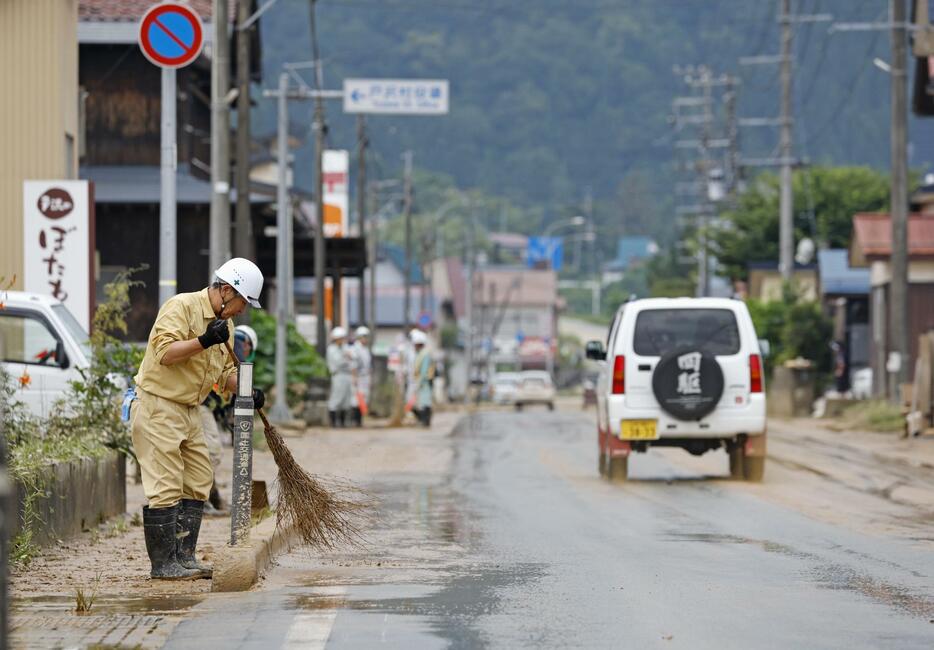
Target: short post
242, 499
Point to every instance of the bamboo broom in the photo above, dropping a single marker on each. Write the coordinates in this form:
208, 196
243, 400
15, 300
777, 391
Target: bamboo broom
325, 513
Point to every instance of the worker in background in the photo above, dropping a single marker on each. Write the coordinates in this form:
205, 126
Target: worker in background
423, 376
185, 357
340, 360
245, 342
363, 371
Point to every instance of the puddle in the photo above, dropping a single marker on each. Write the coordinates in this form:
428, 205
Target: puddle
108, 604
838, 577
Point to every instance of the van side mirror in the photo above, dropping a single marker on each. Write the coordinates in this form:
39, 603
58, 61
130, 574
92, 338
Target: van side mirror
765, 348
60, 357
595, 350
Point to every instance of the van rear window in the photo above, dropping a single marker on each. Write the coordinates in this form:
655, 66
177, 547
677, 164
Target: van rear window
659, 331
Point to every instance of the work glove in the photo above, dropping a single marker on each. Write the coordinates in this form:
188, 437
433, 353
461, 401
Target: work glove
259, 398
216, 333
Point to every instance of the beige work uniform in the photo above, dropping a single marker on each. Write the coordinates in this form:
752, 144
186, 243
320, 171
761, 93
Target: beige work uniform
167, 430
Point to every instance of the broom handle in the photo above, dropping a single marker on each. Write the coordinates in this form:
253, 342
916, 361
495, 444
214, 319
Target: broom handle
237, 364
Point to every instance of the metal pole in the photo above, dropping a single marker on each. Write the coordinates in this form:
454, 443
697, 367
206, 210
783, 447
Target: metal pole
900, 307
372, 253
219, 250
167, 278
321, 330
471, 270
407, 179
242, 488
361, 208
786, 236
244, 230
703, 270
280, 410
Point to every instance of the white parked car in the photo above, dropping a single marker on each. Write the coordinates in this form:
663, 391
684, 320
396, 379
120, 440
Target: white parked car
681, 372
535, 387
42, 347
503, 387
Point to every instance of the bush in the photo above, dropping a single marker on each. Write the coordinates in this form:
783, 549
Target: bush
794, 328
85, 424
302, 360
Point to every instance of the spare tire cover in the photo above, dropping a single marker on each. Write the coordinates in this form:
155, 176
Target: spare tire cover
688, 383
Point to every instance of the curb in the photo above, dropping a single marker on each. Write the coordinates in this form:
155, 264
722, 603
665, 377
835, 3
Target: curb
237, 568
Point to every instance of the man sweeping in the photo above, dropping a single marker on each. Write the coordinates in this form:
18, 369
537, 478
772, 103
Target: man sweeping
340, 364
185, 357
363, 371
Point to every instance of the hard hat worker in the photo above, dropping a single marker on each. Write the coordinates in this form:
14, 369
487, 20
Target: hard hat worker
185, 357
340, 360
422, 377
245, 343
363, 370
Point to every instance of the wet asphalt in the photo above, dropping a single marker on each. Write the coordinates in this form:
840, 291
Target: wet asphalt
515, 541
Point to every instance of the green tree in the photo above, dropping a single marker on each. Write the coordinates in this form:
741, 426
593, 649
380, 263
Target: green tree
825, 200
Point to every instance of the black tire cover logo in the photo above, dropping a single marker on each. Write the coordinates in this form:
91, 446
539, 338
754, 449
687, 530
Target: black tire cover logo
688, 383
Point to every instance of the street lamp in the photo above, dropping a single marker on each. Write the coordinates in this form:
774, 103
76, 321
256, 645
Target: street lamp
574, 222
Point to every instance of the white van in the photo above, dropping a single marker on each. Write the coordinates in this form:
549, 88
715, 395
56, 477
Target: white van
42, 348
681, 372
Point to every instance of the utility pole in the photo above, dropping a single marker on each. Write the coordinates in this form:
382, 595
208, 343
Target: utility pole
471, 271
280, 409
372, 240
319, 127
786, 237
899, 291
895, 322
362, 145
407, 215
244, 225
786, 160
219, 249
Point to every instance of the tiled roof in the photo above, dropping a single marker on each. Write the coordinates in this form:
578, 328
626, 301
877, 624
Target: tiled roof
872, 237
133, 10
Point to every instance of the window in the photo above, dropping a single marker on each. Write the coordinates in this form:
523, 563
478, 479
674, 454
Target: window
659, 331
27, 340
74, 328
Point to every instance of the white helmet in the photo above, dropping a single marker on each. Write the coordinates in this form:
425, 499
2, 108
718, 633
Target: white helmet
249, 332
361, 332
418, 337
338, 333
244, 276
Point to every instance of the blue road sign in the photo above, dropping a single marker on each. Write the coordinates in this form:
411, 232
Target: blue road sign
171, 35
546, 250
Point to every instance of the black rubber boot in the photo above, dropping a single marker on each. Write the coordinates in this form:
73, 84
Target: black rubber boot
215, 505
426, 416
159, 528
190, 513
357, 417
332, 416
342, 418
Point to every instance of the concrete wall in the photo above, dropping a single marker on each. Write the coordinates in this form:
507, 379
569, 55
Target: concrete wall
80, 495
38, 109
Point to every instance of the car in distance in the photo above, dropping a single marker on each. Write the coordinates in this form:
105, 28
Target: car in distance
535, 387
503, 387
681, 372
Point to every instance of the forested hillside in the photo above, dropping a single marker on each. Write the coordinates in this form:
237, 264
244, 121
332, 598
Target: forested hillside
552, 97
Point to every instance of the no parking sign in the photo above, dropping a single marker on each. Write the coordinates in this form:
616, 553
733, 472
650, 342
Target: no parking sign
171, 35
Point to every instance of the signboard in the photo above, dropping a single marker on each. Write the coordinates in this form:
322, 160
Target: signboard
58, 238
335, 169
545, 251
171, 35
396, 96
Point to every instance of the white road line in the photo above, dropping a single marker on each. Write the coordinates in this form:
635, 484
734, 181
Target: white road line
310, 630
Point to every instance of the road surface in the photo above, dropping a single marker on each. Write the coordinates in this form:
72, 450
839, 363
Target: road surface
500, 534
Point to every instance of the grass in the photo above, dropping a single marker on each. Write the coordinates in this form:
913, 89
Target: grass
84, 599
874, 415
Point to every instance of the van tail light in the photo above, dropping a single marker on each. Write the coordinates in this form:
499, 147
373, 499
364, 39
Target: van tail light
755, 373
619, 375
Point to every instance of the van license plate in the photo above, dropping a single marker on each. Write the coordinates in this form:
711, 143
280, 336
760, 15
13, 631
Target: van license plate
639, 430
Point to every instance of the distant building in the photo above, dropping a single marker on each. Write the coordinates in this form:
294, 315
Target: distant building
630, 251
871, 247
845, 295
766, 283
